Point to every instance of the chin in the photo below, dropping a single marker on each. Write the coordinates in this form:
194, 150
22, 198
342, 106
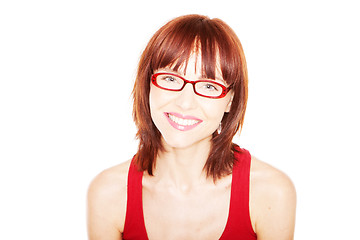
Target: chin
184, 142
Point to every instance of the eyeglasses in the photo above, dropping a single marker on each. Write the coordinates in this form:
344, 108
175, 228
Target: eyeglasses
204, 88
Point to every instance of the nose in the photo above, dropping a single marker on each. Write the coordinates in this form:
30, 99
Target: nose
186, 98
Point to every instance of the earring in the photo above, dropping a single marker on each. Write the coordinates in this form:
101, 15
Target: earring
219, 129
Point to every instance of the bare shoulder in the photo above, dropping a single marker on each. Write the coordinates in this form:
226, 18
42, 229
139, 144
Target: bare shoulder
111, 179
107, 196
272, 201
266, 176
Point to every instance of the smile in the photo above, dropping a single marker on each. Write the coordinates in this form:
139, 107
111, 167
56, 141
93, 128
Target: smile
182, 123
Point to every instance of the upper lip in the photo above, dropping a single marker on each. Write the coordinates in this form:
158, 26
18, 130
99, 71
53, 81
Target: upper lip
179, 115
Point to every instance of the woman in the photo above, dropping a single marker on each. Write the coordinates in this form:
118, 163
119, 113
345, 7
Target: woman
188, 180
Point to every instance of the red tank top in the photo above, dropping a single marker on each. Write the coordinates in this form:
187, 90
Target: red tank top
238, 225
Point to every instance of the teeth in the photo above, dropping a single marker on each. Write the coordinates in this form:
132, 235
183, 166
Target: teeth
181, 121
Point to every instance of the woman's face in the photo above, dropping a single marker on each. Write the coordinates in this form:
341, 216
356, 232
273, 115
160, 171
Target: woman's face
183, 117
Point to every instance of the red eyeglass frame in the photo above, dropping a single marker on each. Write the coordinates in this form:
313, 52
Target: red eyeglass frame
225, 90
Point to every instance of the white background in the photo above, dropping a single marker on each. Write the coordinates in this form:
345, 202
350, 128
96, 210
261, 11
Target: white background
67, 69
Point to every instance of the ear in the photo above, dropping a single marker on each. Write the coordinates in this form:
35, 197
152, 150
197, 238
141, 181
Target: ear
228, 106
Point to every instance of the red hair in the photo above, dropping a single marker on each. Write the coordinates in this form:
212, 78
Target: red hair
172, 46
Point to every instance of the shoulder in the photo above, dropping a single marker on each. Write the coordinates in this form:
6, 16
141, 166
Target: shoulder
107, 196
266, 176
110, 181
272, 201
106, 177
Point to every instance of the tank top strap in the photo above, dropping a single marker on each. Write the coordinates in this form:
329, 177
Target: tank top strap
134, 227
239, 223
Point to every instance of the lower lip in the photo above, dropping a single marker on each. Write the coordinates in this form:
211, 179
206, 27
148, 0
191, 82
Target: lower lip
181, 127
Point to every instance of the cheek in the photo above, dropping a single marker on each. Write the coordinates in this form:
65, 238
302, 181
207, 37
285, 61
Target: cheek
153, 103
152, 98
157, 97
214, 114
216, 110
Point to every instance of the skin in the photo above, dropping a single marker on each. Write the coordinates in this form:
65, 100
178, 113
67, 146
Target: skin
179, 197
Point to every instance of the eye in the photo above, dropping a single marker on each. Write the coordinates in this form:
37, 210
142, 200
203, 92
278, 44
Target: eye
210, 87
169, 81
168, 78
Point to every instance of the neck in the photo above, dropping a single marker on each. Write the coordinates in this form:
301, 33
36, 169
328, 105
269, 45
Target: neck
182, 167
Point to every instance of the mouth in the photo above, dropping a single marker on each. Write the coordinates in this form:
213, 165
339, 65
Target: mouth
181, 122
